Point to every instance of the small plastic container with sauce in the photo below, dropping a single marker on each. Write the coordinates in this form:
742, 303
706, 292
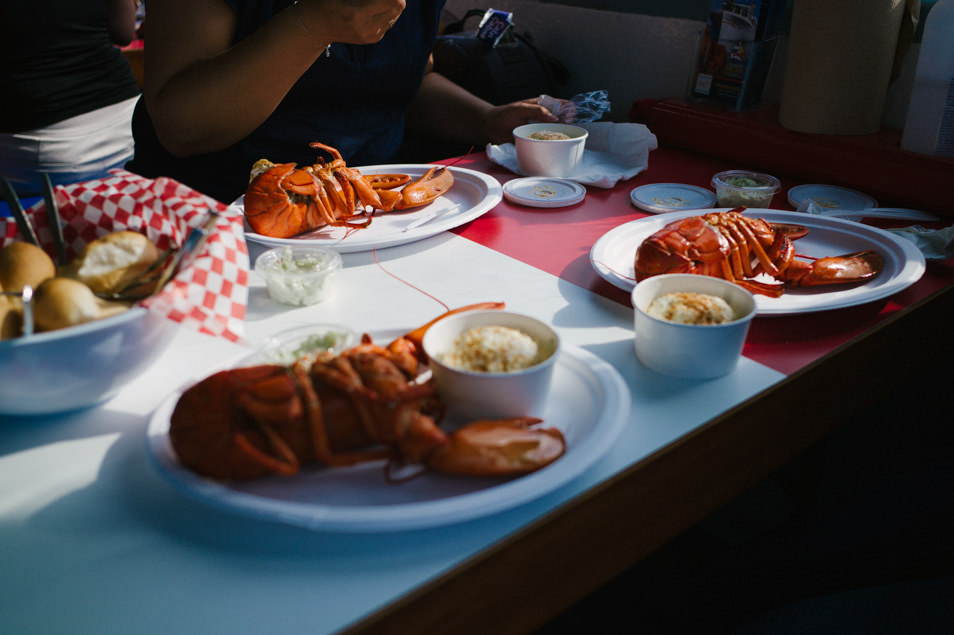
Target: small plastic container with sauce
742, 188
299, 275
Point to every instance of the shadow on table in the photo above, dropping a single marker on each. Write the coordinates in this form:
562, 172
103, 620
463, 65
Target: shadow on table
852, 537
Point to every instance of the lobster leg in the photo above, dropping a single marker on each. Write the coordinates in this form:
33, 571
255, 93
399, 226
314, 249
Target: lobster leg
336, 160
362, 189
321, 447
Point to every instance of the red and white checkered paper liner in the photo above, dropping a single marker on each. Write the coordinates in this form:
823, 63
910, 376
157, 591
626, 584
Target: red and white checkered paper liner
210, 291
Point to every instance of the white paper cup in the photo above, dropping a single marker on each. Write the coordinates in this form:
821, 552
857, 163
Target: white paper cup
471, 395
694, 351
549, 157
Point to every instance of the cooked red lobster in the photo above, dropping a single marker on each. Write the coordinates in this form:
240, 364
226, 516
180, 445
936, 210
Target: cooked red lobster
740, 249
283, 200
366, 403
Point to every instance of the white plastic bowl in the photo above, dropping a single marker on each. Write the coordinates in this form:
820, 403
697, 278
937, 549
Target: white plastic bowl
80, 366
472, 395
694, 351
552, 157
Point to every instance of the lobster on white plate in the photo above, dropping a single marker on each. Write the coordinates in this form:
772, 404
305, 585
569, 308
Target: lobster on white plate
750, 252
369, 402
283, 200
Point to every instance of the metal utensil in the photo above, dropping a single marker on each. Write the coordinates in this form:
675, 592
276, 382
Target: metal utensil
23, 223
53, 216
190, 246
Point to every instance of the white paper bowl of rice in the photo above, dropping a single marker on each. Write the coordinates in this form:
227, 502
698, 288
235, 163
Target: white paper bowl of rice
492, 364
549, 149
691, 326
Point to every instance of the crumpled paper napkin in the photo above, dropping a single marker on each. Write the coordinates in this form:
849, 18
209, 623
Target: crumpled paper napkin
935, 244
614, 152
209, 293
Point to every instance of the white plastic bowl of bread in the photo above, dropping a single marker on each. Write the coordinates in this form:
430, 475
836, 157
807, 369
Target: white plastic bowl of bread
80, 337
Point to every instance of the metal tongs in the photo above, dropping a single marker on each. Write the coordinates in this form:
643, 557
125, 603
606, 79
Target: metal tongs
52, 213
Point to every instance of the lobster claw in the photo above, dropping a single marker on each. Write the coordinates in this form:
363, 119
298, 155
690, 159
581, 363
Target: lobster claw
432, 184
844, 269
503, 447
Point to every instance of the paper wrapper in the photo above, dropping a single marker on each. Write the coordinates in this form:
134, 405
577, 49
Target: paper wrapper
210, 291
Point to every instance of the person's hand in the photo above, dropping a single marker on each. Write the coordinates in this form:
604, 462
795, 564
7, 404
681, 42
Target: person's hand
349, 21
501, 120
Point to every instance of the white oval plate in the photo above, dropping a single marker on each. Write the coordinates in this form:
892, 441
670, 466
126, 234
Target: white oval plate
473, 194
613, 255
590, 404
542, 191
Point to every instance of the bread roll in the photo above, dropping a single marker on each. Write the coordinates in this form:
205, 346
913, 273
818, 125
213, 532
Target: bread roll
24, 264
62, 302
109, 264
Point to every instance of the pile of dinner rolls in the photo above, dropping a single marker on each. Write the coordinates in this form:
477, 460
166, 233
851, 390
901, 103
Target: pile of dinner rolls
74, 293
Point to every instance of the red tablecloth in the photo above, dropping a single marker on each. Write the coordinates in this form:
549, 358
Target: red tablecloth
785, 343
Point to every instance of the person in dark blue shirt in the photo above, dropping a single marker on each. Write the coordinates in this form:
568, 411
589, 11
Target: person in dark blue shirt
228, 82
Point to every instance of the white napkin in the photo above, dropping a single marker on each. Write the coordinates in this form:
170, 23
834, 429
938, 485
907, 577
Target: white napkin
933, 243
614, 152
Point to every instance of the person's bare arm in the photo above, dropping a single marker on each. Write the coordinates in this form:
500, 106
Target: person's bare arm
204, 94
121, 21
446, 110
